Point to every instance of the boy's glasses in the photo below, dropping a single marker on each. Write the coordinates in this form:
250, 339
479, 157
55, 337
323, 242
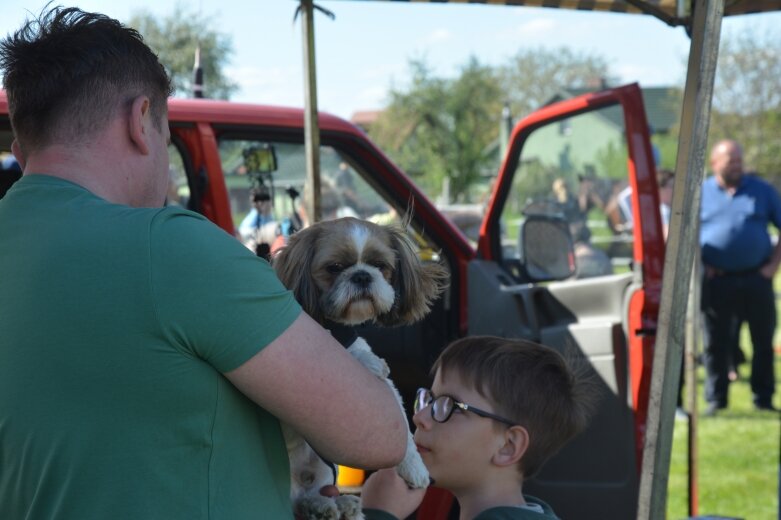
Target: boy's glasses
442, 407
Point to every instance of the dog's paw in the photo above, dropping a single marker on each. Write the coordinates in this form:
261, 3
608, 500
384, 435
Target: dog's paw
361, 351
316, 508
412, 469
350, 507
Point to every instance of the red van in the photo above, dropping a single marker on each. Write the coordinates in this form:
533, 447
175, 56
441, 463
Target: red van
597, 298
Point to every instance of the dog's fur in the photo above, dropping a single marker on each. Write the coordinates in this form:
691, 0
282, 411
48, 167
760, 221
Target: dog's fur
348, 272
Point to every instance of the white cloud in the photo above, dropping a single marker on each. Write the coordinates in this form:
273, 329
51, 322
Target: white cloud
537, 27
649, 75
273, 86
436, 37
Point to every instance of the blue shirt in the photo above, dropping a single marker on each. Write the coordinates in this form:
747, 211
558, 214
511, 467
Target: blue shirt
733, 227
252, 222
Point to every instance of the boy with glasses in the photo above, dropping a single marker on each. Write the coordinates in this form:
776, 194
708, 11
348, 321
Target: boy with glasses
497, 410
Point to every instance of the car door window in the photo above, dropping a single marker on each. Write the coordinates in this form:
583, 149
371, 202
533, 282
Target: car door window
178, 185
345, 192
581, 175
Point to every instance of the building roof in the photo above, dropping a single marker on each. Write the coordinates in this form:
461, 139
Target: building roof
365, 118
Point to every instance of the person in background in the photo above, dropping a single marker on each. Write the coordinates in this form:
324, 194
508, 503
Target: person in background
665, 179
146, 357
739, 262
497, 411
10, 172
624, 198
259, 229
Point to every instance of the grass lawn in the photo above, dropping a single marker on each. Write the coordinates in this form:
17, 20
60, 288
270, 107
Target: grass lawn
738, 454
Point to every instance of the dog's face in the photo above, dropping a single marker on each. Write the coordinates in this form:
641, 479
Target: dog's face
352, 271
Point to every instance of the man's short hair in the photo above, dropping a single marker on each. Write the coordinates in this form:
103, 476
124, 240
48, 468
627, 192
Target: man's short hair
528, 383
69, 72
260, 194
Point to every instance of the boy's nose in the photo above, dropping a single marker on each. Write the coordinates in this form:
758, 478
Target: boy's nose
422, 419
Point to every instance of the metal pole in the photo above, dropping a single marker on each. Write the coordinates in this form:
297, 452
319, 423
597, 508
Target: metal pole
311, 123
197, 74
690, 366
679, 258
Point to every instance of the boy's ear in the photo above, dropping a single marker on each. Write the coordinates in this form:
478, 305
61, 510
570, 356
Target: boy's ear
140, 114
516, 442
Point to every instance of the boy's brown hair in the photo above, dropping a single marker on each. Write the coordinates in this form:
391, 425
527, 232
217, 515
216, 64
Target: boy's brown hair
528, 383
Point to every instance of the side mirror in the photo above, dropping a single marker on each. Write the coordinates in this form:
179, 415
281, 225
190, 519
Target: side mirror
260, 159
546, 248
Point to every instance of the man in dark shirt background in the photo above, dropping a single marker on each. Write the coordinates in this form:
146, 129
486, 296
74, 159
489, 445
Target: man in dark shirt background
739, 262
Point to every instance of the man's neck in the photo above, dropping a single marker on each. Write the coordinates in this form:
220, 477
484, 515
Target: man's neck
731, 186
98, 169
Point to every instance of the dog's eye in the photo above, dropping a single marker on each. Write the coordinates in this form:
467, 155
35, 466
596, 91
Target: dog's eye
335, 268
379, 265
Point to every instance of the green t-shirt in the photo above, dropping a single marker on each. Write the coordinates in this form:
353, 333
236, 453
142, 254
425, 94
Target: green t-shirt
115, 326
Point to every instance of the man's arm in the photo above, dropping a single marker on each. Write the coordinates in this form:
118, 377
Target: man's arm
769, 269
308, 380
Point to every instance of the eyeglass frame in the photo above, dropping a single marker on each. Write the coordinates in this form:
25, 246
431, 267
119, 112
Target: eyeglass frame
456, 404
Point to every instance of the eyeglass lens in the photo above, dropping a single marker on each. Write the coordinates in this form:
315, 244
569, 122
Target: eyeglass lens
441, 407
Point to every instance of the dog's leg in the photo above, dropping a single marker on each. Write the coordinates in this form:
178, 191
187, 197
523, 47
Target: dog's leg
308, 473
411, 469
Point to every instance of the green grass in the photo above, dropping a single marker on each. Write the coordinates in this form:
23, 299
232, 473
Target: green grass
737, 454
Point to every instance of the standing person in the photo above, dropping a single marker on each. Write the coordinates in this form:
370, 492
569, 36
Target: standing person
259, 229
497, 411
739, 262
146, 357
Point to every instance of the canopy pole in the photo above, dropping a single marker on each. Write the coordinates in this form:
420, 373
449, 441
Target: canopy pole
311, 122
679, 258
693, 325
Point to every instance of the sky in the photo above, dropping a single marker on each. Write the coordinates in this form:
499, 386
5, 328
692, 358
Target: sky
366, 50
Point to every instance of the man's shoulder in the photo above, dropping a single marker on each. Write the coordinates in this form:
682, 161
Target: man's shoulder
754, 181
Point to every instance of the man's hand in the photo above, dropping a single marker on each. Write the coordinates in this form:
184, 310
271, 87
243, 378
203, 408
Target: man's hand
385, 490
768, 270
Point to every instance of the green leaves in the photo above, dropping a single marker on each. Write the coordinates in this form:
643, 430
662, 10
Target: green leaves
175, 39
444, 131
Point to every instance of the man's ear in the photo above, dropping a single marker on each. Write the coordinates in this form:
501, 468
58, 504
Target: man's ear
140, 116
16, 149
516, 442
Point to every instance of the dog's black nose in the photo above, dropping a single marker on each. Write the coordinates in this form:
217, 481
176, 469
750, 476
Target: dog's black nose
361, 279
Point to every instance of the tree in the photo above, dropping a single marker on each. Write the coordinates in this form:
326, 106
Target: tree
441, 129
534, 76
747, 100
175, 39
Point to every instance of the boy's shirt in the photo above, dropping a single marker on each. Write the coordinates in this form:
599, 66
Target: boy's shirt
494, 513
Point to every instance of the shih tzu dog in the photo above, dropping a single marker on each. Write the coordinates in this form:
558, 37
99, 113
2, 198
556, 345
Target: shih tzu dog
344, 273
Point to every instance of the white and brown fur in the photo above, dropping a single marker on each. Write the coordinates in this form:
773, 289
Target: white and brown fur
349, 272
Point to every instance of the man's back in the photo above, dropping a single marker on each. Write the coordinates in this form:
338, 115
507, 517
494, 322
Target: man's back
108, 408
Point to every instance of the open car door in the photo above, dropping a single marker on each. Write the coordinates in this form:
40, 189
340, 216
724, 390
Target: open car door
581, 160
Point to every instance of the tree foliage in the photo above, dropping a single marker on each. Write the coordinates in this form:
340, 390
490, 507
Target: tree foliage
175, 39
441, 128
533, 76
446, 129
747, 100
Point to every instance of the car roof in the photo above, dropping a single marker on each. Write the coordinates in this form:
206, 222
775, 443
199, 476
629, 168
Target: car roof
228, 112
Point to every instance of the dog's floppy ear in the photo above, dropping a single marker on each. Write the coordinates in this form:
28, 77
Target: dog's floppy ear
417, 284
293, 265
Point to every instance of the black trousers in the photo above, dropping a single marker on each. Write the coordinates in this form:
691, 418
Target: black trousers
727, 301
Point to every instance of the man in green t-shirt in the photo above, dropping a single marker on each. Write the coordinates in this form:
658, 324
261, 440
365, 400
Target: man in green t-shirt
146, 357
